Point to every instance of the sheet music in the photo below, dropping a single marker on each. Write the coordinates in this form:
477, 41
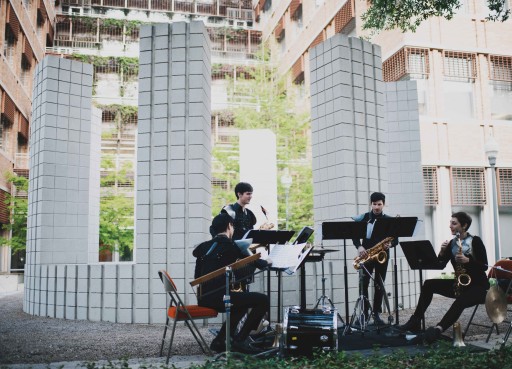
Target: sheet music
288, 256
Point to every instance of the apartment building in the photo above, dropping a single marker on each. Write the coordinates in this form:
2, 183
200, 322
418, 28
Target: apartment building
105, 33
463, 70
26, 29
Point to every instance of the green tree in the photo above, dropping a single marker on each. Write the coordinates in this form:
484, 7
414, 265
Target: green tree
116, 209
270, 104
18, 208
407, 15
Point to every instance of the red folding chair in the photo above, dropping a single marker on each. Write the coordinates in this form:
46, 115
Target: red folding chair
504, 279
178, 311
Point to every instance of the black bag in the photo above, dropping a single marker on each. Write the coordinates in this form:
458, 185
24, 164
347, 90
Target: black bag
310, 329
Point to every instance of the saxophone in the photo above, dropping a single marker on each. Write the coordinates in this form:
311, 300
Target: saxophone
376, 253
462, 278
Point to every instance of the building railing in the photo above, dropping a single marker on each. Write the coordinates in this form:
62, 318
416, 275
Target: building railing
230, 9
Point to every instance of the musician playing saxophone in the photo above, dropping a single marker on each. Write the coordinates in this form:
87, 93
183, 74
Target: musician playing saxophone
215, 254
472, 261
377, 201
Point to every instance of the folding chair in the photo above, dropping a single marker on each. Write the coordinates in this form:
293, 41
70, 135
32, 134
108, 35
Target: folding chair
177, 311
504, 280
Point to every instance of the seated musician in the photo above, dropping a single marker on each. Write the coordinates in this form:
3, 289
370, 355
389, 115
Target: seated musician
472, 262
215, 254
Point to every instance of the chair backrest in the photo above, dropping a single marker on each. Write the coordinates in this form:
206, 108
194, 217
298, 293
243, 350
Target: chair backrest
170, 288
505, 273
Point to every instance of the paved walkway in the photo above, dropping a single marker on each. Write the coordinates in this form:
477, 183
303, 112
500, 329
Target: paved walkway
28, 341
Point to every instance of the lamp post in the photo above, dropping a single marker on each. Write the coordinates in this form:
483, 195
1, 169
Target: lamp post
286, 181
491, 150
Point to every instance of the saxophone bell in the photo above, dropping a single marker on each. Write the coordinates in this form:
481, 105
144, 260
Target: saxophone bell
464, 279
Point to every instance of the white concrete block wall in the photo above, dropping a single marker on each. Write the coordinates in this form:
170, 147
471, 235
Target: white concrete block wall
349, 144
405, 178
173, 160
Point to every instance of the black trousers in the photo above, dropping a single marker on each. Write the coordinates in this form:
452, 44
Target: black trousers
470, 296
380, 270
241, 302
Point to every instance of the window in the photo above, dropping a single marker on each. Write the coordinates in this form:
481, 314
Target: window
296, 15
407, 63
430, 186
500, 87
5, 128
505, 186
9, 45
459, 66
460, 71
468, 186
25, 73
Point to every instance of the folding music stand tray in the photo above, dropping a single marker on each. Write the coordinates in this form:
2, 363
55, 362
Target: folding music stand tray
269, 237
394, 227
421, 256
344, 231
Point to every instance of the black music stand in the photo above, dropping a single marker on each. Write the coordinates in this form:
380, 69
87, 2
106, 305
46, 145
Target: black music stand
270, 237
421, 256
303, 236
344, 231
394, 227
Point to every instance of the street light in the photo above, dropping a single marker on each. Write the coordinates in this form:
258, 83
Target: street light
286, 181
491, 150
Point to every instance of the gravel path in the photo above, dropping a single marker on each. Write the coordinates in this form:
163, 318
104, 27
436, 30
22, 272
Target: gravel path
32, 339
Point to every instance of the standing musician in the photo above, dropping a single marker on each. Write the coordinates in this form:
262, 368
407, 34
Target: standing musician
215, 254
378, 201
243, 218
472, 260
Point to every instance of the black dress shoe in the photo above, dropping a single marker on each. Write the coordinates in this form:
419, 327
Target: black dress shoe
377, 319
413, 325
432, 334
218, 345
245, 348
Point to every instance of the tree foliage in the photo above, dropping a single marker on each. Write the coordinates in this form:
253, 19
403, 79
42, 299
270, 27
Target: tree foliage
270, 104
116, 210
18, 208
407, 15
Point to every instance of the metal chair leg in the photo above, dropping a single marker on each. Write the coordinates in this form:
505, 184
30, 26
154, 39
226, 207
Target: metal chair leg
163, 338
469, 322
170, 343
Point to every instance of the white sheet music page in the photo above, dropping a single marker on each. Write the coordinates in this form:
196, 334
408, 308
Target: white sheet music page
286, 256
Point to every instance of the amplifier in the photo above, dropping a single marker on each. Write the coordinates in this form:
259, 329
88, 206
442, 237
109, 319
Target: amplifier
305, 330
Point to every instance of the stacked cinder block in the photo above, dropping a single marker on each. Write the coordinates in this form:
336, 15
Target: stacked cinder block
173, 209
404, 148
62, 191
350, 148
348, 142
405, 182
62, 276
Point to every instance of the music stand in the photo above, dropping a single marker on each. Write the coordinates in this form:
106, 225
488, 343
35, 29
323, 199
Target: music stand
303, 236
344, 231
421, 256
394, 227
270, 237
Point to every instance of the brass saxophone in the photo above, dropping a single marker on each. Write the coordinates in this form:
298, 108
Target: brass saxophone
462, 278
376, 253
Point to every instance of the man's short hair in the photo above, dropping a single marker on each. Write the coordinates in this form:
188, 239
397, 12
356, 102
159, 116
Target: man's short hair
377, 196
221, 222
463, 218
242, 187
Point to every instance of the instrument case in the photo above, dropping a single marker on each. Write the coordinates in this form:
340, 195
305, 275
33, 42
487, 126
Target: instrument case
306, 330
